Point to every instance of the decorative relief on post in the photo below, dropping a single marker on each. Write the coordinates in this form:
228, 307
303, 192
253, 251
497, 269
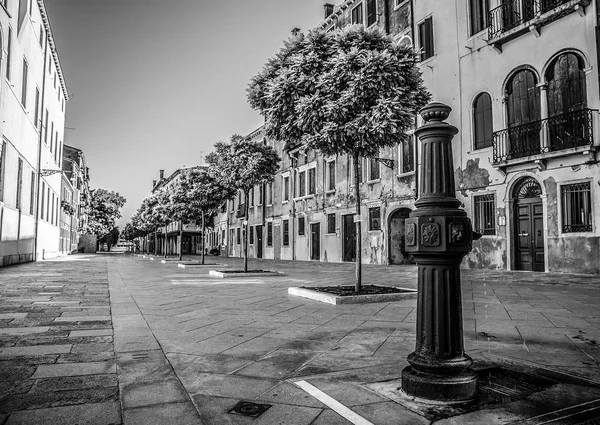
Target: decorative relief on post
430, 234
457, 234
410, 234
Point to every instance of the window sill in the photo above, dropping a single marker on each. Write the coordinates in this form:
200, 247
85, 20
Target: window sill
576, 234
476, 151
428, 60
374, 230
410, 173
373, 181
330, 192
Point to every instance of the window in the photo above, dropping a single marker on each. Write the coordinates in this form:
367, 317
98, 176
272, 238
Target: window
312, 181
482, 121
251, 197
238, 235
46, 129
302, 184
48, 204
286, 188
270, 194
224, 207
375, 218
285, 228
51, 137
56, 147
52, 209
301, 226
576, 208
41, 35
331, 223
484, 214
251, 235
36, 115
479, 10
19, 184
24, 84
371, 12
2, 162
261, 194
269, 233
373, 169
8, 53
32, 193
357, 14
426, 38
406, 156
331, 175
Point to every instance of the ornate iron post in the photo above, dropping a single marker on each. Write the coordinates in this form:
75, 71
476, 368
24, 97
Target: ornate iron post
438, 234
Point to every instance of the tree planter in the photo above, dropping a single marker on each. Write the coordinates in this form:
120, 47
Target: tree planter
225, 274
198, 264
346, 294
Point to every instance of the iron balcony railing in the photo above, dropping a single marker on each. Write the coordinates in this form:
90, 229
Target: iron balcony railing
512, 13
556, 133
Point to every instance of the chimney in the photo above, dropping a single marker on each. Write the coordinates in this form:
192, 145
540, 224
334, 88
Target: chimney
162, 174
153, 184
328, 9
295, 31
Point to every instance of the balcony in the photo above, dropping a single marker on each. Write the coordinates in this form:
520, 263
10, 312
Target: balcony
544, 137
240, 212
514, 18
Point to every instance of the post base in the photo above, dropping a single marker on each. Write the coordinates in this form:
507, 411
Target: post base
461, 387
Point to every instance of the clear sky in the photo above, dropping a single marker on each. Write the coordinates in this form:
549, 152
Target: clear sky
156, 83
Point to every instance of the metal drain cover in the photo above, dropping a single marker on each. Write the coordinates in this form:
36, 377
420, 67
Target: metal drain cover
248, 408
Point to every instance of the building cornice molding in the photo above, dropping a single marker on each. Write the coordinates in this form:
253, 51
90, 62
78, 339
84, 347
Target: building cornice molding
53, 50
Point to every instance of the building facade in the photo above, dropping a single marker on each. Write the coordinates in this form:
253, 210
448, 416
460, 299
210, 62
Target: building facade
76, 180
33, 98
522, 80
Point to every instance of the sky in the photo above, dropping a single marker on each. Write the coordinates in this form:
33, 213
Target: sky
154, 84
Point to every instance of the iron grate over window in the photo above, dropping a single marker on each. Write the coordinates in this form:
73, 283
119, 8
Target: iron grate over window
576, 207
485, 217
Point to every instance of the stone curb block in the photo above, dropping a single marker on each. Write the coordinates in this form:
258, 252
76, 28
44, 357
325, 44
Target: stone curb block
323, 297
183, 265
225, 275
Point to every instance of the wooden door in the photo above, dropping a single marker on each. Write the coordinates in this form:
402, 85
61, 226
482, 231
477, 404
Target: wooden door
259, 241
529, 235
315, 241
349, 238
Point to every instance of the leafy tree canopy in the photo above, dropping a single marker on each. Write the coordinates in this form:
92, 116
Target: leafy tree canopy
242, 164
154, 212
105, 209
350, 91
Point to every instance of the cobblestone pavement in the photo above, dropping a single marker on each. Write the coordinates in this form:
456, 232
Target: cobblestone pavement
110, 339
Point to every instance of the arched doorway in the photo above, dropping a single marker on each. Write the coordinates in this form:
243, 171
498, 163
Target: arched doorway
397, 254
528, 225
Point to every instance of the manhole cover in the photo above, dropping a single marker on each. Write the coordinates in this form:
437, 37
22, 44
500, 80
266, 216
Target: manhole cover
247, 408
500, 385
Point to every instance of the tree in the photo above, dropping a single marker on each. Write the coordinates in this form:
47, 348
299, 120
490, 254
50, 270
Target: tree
105, 209
351, 91
154, 213
241, 165
111, 238
197, 194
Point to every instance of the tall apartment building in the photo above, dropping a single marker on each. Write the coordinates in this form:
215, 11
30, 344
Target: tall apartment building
522, 79
33, 97
76, 193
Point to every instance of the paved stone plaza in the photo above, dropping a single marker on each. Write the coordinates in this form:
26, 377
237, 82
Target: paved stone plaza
111, 339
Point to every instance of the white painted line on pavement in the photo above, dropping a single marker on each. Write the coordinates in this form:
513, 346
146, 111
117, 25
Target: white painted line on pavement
333, 404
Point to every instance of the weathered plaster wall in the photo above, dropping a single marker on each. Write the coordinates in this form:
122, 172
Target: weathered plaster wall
574, 254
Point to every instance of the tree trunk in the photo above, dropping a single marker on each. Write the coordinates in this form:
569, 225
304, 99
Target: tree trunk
245, 231
358, 225
156, 242
180, 240
202, 244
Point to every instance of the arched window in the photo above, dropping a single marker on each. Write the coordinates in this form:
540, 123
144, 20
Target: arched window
566, 85
482, 121
523, 110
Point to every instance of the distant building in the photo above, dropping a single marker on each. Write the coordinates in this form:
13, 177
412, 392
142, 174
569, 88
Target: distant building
522, 80
33, 97
77, 174
192, 232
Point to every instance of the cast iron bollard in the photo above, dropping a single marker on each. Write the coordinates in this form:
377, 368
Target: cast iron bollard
438, 234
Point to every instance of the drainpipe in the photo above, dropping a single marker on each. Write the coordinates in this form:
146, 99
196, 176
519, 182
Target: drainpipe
292, 192
39, 158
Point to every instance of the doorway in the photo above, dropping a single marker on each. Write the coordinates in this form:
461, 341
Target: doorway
397, 254
259, 241
529, 226
349, 238
315, 241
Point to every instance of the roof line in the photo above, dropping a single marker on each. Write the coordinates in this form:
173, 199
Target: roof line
46, 22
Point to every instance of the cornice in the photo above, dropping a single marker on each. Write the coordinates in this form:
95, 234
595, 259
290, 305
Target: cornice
53, 50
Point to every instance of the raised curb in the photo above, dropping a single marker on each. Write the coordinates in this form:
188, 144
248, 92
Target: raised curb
225, 275
352, 299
